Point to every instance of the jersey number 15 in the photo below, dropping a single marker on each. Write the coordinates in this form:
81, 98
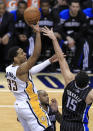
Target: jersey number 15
71, 103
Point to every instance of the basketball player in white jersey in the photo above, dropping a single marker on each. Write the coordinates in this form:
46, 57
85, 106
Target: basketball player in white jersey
18, 74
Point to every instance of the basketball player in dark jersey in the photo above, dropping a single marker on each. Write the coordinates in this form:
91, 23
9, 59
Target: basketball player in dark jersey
51, 109
77, 96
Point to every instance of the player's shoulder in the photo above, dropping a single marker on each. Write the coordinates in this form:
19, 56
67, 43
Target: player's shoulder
11, 67
70, 84
8, 15
8, 67
89, 98
64, 14
88, 12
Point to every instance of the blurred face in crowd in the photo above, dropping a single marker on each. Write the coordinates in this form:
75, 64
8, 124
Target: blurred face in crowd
62, 2
21, 8
45, 7
74, 8
43, 97
2, 9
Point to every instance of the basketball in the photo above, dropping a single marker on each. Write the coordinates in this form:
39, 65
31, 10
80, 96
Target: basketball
31, 15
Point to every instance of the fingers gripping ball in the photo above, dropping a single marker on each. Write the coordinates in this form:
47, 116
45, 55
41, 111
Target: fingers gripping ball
31, 15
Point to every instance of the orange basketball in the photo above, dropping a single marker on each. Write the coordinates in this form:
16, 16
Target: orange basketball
32, 15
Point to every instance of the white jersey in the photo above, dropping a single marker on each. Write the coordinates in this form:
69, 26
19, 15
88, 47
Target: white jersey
28, 109
21, 90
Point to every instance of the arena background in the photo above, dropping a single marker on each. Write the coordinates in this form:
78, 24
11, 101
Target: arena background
53, 83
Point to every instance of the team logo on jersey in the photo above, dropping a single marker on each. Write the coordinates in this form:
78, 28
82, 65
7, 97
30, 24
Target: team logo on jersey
43, 118
77, 90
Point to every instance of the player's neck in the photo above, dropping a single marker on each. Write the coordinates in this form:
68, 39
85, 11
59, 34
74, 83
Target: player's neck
45, 107
72, 14
15, 64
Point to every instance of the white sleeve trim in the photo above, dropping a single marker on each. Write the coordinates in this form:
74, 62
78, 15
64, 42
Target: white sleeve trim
39, 67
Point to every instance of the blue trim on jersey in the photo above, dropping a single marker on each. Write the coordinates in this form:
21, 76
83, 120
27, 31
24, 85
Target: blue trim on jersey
31, 82
35, 115
14, 14
41, 13
86, 127
88, 12
64, 14
80, 60
85, 119
26, 92
61, 43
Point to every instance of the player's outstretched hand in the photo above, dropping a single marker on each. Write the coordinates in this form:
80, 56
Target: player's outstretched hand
48, 32
53, 59
35, 28
54, 105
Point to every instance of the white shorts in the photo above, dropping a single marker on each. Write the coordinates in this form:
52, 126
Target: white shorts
32, 116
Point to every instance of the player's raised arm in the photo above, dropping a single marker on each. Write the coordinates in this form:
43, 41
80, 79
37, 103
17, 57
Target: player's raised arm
24, 68
68, 76
37, 68
89, 98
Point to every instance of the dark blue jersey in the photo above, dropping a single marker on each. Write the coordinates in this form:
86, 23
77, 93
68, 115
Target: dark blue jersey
52, 118
74, 107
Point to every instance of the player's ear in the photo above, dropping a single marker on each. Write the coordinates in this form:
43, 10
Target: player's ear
15, 59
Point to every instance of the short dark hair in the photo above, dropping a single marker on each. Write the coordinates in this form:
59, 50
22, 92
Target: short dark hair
12, 53
82, 79
22, 2
39, 91
74, 1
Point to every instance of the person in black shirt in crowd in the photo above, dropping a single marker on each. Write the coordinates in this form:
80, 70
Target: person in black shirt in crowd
73, 29
50, 20
51, 109
86, 4
77, 96
22, 30
61, 5
53, 3
6, 32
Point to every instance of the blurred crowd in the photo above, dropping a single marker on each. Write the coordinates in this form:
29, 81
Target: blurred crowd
71, 20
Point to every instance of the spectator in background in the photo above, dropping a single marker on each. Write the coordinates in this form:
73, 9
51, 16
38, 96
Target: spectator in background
89, 13
51, 109
53, 3
6, 32
50, 20
61, 5
22, 30
86, 4
73, 29
35, 3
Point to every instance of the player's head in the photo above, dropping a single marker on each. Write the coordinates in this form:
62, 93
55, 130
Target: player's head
82, 79
43, 97
45, 5
74, 7
22, 5
17, 55
2, 8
